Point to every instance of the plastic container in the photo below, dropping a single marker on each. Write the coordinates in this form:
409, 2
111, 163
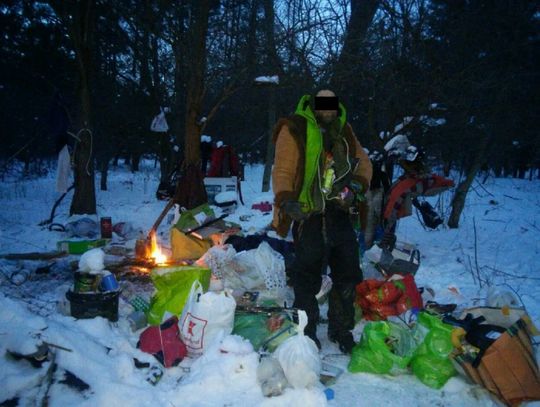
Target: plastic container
91, 305
108, 283
79, 246
85, 282
106, 227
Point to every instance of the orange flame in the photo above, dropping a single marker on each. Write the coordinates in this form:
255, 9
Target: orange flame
156, 253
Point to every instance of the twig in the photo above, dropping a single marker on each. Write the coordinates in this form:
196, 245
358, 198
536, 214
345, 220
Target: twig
476, 252
511, 275
58, 346
472, 271
533, 225
484, 188
515, 292
33, 256
511, 197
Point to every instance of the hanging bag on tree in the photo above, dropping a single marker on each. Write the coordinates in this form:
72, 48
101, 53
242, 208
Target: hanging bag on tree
159, 124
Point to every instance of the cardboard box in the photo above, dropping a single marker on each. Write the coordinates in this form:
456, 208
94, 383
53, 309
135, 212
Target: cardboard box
79, 246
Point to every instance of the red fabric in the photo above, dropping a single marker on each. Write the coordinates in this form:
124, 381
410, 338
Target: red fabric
224, 163
166, 346
382, 299
428, 185
262, 206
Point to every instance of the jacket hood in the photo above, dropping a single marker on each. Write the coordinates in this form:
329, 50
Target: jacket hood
305, 109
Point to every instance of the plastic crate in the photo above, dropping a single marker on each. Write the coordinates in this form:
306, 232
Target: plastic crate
91, 305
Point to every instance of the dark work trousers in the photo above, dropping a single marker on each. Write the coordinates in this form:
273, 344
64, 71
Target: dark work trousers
321, 240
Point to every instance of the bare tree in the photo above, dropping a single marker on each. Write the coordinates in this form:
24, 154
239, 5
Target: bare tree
78, 16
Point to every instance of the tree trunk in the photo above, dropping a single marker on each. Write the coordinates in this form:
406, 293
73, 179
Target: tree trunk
362, 13
446, 168
195, 84
80, 22
190, 191
458, 201
104, 169
135, 162
274, 66
270, 148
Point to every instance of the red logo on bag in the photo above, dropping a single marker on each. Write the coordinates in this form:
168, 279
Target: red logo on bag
190, 328
194, 331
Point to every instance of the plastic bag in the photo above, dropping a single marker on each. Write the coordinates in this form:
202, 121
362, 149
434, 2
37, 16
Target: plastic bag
63, 170
431, 362
261, 268
173, 285
386, 347
164, 343
271, 265
299, 357
499, 298
257, 328
92, 261
84, 227
271, 377
204, 317
217, 258
195, 217
159, 123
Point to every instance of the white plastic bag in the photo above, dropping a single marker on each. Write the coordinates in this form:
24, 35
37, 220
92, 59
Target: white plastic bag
63, 170
217, 258
299, 357
203, 318
159, 124
92, 261
271, 377
271, 265
260, 268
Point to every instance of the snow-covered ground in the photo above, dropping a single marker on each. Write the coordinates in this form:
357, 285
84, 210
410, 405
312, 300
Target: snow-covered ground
498, 240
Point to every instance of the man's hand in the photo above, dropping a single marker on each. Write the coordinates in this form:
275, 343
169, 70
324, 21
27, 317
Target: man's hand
357, 187
294, 210
359, 190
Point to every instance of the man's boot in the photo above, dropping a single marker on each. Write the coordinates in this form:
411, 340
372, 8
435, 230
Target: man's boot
341, 316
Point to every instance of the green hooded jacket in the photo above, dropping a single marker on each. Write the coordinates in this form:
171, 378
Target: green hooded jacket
311, 196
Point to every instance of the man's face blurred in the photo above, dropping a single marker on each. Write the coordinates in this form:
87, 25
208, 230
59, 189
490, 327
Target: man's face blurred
326, 116
326, 106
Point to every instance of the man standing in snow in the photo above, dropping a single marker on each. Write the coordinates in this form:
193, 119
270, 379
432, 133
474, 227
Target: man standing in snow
319, 169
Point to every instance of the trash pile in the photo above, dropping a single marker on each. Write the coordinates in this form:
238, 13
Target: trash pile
221, 294
491, 346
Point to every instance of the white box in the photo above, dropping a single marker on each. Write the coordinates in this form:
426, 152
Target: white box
216, 185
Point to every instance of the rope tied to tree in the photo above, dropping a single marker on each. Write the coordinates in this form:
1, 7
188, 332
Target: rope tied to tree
78, 140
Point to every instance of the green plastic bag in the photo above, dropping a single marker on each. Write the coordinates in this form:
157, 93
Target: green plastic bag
385, 347
431, 362
172, 289
252, 326
194, 217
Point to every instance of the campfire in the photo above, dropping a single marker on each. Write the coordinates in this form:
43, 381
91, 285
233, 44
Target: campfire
155, 253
